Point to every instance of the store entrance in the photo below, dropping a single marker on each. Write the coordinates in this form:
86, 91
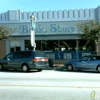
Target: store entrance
13, 49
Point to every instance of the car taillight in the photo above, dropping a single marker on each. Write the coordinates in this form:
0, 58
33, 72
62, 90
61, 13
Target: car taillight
37, 59
40, 59
46, 59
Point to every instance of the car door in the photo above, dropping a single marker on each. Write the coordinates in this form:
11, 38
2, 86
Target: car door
17, 60
95, 61
7, 61
84, 63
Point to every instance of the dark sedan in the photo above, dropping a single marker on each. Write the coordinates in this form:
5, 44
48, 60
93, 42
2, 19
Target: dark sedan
90, 62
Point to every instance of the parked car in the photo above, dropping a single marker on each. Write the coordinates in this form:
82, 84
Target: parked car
90, 62
25, 60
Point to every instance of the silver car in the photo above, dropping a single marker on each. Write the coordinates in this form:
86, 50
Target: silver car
25, 60
90, 62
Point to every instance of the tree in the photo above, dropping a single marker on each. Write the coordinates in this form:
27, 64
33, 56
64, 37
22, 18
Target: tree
5, 32
90, 32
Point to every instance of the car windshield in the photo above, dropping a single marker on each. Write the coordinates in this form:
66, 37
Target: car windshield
39, 54
9, 56
85, 58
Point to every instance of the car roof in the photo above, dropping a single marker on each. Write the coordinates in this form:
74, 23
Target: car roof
28, 51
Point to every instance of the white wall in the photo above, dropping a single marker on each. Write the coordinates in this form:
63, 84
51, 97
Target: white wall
61, 15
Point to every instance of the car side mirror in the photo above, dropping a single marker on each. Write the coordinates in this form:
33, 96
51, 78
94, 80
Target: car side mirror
7, 58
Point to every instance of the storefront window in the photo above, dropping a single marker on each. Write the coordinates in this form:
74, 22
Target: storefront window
59, 45
28, 45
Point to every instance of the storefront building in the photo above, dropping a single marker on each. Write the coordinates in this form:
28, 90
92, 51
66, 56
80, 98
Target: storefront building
56, 33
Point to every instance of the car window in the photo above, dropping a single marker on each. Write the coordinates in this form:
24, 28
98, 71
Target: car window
94, 58
26, 54
86, 58
10, 55
98, 57
40, 54
17, 55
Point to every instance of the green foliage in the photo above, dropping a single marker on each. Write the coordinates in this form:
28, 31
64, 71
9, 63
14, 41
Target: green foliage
5, 32
90, 31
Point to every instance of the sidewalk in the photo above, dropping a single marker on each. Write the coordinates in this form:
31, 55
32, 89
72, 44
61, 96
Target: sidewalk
58, 65
55, 67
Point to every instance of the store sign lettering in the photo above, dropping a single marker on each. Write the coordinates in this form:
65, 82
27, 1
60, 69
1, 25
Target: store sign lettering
24, 28
53, 28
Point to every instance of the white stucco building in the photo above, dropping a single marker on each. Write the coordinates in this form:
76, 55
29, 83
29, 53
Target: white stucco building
55, 30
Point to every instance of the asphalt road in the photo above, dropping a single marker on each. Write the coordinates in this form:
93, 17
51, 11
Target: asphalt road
49, 85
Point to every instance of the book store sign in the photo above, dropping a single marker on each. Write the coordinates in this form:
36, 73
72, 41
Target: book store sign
52, 28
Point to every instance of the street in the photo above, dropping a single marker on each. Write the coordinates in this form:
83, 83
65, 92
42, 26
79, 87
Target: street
49, 85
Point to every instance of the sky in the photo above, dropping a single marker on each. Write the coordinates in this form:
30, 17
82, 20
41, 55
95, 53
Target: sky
46, 5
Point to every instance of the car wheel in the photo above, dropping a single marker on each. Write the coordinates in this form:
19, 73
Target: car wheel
98, 69
25, 68
1, 67
39, 70
69, 67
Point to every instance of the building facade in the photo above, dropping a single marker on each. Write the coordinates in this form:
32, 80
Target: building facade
56, 32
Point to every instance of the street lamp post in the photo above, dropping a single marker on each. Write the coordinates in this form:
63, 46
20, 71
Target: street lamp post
33, 26
77, 47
